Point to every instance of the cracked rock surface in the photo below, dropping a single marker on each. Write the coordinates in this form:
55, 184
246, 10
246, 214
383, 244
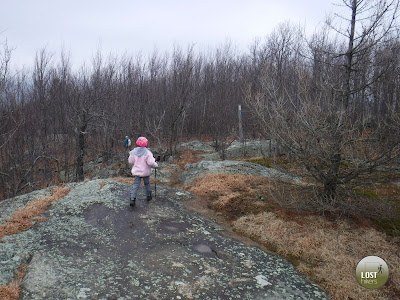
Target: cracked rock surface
93, 245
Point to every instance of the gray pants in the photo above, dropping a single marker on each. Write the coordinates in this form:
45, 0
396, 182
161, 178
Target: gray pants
136, 184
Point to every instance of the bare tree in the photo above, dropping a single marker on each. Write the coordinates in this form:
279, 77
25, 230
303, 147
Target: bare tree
87, 107
179, 93
317, 117
8, 123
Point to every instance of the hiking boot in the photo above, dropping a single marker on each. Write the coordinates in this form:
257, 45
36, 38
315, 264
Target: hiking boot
132, 202
149, 198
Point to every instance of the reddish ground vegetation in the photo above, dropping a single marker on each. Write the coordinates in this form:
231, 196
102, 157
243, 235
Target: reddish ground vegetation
27, 216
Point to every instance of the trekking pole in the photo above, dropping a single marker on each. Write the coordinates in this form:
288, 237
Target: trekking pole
155, 178
155, 183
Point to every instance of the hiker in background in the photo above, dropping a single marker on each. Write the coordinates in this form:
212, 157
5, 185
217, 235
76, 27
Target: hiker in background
127, 142
142, 161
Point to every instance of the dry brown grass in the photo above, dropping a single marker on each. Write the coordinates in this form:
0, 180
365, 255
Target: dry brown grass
27, 216
124, 179
327, 250
130, 180
188, 156
12, 290
235, 194
23, 219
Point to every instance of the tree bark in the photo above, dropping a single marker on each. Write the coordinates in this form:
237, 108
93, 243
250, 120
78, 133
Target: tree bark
80, 176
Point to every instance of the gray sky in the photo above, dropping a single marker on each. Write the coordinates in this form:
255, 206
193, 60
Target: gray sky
131, 26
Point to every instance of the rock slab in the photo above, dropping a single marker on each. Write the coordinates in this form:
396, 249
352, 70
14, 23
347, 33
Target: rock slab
93, 245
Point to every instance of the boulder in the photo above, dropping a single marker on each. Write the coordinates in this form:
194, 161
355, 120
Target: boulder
236, 150
198, 146
204, 167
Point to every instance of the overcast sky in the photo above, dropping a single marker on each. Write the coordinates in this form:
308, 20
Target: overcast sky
131, 26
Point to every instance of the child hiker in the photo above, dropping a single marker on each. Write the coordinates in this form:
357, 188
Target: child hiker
142, 161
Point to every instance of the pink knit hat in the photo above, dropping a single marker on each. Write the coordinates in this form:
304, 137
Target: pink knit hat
141, 141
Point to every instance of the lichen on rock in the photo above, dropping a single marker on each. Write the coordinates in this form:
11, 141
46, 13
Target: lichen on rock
93, 245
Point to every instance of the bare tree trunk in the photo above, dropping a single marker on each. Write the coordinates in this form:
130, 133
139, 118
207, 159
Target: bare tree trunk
350, 55
81, 148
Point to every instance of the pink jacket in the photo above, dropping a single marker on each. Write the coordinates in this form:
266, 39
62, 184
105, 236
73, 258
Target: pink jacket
142, 161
